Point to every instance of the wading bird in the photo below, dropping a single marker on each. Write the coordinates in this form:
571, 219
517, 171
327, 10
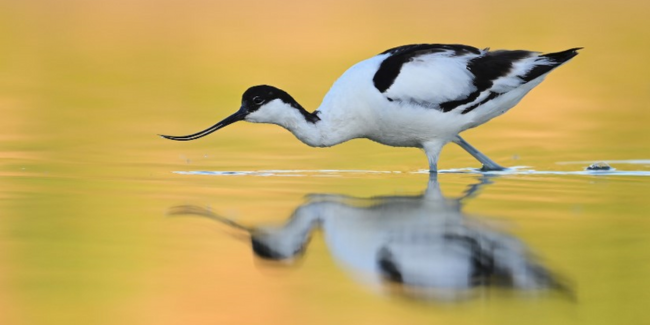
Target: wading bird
420, 96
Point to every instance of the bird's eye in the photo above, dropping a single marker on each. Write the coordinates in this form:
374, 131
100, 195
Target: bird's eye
257, 100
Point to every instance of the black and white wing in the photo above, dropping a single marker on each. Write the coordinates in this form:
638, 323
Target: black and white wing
449, 77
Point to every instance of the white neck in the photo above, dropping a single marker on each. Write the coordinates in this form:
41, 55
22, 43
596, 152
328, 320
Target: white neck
319, 132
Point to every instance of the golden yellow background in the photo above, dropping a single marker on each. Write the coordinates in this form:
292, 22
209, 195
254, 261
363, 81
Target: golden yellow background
85, 86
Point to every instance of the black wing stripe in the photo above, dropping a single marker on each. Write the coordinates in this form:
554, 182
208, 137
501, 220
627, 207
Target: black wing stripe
486, 69
450, 105
490, 97
494, 65
392, 65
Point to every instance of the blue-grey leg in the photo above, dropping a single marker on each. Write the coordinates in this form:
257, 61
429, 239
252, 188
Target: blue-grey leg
488, 164
432, 150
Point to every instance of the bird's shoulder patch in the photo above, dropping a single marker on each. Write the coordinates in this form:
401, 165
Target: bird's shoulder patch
398, 56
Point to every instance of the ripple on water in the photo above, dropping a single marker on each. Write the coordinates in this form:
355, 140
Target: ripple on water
516, 170
289, 173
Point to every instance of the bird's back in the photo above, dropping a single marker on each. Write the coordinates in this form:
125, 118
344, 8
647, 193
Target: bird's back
410, 94
452, 87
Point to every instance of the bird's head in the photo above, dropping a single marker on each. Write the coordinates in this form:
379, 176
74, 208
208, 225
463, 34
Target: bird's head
259, 104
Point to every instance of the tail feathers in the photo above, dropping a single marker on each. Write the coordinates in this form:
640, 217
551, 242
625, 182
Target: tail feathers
561, 57
554, 60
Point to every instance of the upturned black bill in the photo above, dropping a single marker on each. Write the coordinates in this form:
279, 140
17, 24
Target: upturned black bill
238, 116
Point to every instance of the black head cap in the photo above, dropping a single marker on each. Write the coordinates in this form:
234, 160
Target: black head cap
256, 96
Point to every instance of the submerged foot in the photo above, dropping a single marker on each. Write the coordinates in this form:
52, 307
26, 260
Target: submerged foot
492, 168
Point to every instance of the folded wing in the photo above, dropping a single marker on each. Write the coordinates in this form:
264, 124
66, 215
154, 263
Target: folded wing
458, 77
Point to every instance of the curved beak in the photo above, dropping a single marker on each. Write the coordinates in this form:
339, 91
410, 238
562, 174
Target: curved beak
238, 116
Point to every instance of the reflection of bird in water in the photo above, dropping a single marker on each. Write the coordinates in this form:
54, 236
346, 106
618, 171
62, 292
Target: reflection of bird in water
422, 243
420, 95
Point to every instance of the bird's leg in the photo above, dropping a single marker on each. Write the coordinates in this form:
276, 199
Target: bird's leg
488, 164
432, 150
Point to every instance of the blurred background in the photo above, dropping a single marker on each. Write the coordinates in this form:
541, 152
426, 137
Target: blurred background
85, 87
